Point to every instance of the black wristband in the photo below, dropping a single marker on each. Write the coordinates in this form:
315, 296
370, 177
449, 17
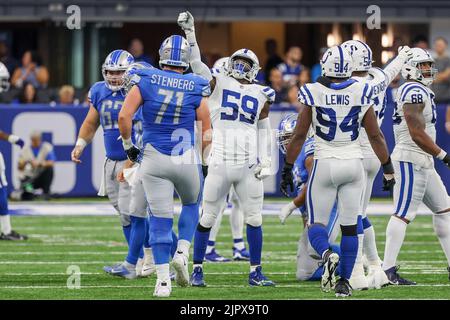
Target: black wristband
446, 158
388, 168
288, 165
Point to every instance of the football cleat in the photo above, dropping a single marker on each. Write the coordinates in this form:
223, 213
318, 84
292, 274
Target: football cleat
163, 288
124, 272
377, 277
343, 288
108, 269
213, 256
257, 278
148, 270
395, 279
180, 266
358, 280
197, 278
329, 278
241, 255
13, 236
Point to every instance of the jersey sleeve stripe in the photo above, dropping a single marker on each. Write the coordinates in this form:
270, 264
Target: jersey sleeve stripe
364, 93
271, 94
309, 94
303, 94
406, 87
411, 88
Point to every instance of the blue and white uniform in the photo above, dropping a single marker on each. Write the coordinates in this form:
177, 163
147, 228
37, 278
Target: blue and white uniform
416, 178
108, 104
170, 161
308, 261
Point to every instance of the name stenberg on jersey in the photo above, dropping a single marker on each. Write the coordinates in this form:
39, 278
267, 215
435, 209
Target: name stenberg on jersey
337, 99
176, 83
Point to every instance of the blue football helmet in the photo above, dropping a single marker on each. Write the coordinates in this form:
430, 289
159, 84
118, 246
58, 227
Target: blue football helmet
175, 51
286, 130
131, 75
113, 68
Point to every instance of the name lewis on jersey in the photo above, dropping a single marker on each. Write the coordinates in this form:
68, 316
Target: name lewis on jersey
337, 99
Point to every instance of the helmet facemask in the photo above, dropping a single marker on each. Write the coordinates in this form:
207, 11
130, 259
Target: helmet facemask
113, 78
426, 72
242, 68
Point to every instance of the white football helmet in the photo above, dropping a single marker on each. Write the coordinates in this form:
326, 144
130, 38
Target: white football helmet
361, 54
221, 64
337, 63
243, 64
4, 78
175, 51
411, 69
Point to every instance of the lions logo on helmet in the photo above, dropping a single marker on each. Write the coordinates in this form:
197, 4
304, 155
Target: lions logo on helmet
420, 67
113, 68
4, 78
361, 54
175, 51
131, 75
285, 131
337, 63
243, 64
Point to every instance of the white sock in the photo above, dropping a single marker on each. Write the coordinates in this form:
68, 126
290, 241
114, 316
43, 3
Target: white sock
441, 224
359, 255
253, 268
197, 265
148, 256
240, 245
129, 266
5, 222
370, 246
395, 234
183, 246
163, 271
209, 249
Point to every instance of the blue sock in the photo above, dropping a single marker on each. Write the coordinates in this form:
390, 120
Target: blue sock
137, 236
359, 225
161, 238
349, 250
200, 243
147, 234
318, 237
255, 241
127, 233
173, 249
188, 221
366, 223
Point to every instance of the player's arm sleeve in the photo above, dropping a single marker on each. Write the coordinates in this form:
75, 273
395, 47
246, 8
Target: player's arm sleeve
309, 148
305, 97
198, 67
270, 94
264, 138
393, 69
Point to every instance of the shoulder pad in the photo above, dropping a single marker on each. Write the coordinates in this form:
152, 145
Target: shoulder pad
269, 93
413, 92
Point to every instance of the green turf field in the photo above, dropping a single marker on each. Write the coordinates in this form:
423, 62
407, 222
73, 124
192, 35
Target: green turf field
36, 269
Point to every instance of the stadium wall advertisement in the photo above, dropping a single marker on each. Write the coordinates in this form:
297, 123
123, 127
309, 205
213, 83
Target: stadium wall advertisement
60, 126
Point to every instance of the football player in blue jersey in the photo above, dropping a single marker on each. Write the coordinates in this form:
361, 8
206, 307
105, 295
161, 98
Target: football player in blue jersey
171, 103
106, 99
309, 266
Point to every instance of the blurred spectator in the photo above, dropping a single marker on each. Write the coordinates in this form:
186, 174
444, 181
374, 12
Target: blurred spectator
36, 163
420, 42
10, 63
66, 95
304, 77
273, 59
316, 70
276, 83
31, 71
291, 67
28, 94
136, 48
441, 85
292, 97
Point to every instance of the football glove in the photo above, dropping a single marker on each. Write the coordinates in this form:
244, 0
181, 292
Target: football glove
287, 179
186, 21
16, 140
388, 176
262, 169
131, 150
405, 53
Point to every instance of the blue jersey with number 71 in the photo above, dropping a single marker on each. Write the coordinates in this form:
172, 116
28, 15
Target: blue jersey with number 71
337, 113
108, 104
169, 108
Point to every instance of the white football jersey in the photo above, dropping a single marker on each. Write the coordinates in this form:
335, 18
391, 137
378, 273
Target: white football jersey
377, 79
235, 109
337, 113
405, 148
